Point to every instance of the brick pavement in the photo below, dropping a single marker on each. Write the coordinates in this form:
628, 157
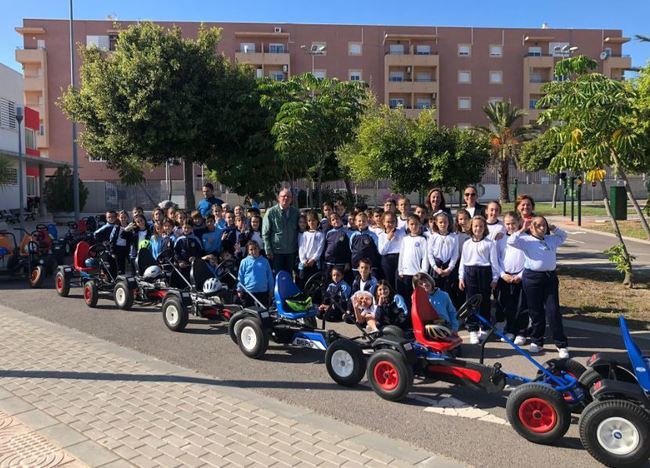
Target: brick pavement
89, 402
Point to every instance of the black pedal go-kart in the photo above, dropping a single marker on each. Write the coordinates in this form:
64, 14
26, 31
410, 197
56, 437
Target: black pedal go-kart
203, 294
25, 262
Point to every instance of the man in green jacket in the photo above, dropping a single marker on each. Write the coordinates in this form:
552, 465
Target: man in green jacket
280, 233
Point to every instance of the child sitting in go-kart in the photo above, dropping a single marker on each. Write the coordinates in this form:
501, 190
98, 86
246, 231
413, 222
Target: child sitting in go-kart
391, 308
441, 302
363, 307
335, 298
255, 276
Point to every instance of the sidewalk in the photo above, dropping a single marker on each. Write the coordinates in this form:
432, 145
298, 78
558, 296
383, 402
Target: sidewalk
69, 399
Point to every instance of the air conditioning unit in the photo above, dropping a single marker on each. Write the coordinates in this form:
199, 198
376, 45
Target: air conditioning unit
277, 29
604, 54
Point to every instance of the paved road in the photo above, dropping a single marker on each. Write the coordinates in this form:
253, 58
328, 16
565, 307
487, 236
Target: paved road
299, 378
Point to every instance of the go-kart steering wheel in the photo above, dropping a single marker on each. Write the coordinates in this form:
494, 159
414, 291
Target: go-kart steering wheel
41, 227
225, 267
96, 250
470, 304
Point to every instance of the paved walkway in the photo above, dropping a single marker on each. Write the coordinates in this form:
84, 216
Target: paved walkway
69, 399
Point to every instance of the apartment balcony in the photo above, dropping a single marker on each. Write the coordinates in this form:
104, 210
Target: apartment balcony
42, 141
33, 84
421, 87
613, 62
539, 61
30, 55
263, 58
411, 60
535, 87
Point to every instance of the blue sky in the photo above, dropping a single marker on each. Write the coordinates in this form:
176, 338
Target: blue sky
629, 15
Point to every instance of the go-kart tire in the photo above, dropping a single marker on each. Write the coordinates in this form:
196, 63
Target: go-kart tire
232, 323
62, 284
393, 330
175, 314
389, 375
123, 295
36, 276
615, 432
251, 338
91, 293
50, 265
345, 362
575, 370
538, 413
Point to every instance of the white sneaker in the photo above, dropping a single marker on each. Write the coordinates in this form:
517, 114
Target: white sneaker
473, 338
482, 336
563, 352
520, 340
510, 336
534, 349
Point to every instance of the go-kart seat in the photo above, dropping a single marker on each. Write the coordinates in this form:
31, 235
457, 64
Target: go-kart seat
285, 288
422, 313
640, 363
81, 254
200, 273
144, 260
54, 232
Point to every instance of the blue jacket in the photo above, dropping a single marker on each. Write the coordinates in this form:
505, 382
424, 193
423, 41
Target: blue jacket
187, 247
339, 293
255, 275
212, 241
205, 205
363, 244
157, 244
446, 311
370, 285
337, 247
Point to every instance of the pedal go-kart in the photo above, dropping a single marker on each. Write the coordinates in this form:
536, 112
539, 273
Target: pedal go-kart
20, 262
203, 294
94, 268
615, 426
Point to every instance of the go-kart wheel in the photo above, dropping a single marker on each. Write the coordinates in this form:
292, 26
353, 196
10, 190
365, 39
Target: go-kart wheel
251, 338
91, 293
538, 413
36, 276
123, 296
575, 370
345, 362
50, 265
175, 314
232, 323
615, 432
389, 375
62, 284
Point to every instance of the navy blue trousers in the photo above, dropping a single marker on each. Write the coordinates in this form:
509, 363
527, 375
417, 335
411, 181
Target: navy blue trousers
477, 281
543, 300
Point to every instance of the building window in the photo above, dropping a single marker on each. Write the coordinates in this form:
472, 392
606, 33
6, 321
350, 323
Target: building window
30, 138
354, 75
95, 159
496, 50
319, 48
396, 49
396, 76
12, 176
355, 48
7, 113
464, 50
423, 103
464, 76
535, 51
423, 76
276, 48
320, 74
464, 103
494, 100
112, 42
422, 49
394, 103
532, 104
247, 47
101, 42
496, 76
31, 186
276, 75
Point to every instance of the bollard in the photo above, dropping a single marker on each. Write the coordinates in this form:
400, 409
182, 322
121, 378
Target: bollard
579, 201
573, 198
514, 189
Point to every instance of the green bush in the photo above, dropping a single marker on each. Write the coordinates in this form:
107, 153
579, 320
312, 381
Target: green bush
58, 191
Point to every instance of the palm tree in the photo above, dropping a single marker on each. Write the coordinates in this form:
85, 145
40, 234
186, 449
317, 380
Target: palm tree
504, 135
642, 38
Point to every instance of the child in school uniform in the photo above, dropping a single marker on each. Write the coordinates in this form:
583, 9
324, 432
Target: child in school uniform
310, 248
413, 259
253, 232
390, 308
363, 244
442, 250
211, 237
390, 243
336, 252
365, 281
328, 209
495, 226
478, 273
463, 233
363, 308
217, 211
539, 243
440, 301
336, 296
377, 225
256, 276
404, 208
510, 301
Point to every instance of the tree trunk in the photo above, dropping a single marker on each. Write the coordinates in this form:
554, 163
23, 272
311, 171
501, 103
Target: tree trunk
504, 196
555, 182
348, 186
147, 194
188, 176
627, 280
319, 182
631, 197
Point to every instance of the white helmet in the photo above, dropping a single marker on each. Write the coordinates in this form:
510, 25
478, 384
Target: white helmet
152, 272
437, 332
211, 285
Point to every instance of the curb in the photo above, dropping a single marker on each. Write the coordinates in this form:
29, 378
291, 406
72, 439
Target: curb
606, 234
639, 335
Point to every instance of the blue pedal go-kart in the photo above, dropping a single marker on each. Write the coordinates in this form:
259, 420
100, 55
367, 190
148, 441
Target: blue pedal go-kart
615, 426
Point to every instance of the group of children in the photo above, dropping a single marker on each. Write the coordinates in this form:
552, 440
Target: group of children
374, 258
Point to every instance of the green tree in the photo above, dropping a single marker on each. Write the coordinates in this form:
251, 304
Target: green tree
537, 154
504, 134
58, 191
158, 96
313, 118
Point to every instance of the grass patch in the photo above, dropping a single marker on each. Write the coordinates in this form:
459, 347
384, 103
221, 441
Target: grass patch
628, 228
599, 296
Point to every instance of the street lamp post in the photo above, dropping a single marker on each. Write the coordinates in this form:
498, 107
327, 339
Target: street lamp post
75, 160
21, 190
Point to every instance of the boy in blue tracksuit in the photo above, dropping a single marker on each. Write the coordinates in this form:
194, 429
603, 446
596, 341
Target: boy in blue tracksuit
336, 297
363, 244
211, 238
255, 275
336, 252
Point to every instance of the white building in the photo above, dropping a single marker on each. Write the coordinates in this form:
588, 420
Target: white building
11, 96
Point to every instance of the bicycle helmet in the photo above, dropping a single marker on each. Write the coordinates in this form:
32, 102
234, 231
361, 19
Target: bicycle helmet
152, 272
437, 332
91, 263
211, 285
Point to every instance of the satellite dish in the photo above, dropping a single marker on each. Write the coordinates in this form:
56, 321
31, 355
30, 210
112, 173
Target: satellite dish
604, 54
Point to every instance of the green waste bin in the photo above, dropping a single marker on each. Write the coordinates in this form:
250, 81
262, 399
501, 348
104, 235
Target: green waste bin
618, 202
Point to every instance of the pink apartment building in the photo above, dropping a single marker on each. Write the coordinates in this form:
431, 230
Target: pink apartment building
457, 70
